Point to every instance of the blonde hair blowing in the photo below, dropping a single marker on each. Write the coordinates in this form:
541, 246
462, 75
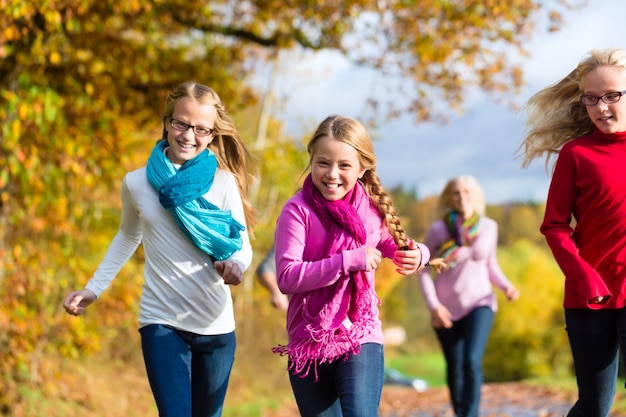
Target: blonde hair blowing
555, 114
353, 133
478, 195
231, 152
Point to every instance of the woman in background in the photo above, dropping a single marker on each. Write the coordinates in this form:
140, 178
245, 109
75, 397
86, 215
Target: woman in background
461, 297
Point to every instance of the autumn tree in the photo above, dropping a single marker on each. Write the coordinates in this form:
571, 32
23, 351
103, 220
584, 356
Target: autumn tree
530, 330
81, 88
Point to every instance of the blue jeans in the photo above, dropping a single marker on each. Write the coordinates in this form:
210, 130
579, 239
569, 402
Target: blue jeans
348, 388
595, 337
188, 373
463, 346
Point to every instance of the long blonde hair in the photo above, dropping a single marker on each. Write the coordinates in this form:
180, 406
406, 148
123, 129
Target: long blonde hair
353, 133
231, 152
444, 204
555, 114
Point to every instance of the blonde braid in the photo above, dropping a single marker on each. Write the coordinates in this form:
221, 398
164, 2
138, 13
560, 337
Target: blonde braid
383, 202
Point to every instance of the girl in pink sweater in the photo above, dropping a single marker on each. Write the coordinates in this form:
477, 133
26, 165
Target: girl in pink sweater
330, 237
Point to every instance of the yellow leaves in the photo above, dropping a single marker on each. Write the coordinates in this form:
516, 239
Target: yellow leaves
55, 58
23, 111
387, 278
17, 251
9, 34
16, 128
4, 179
97, 67
534, 272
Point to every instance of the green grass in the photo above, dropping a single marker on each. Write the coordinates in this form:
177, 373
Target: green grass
430, 367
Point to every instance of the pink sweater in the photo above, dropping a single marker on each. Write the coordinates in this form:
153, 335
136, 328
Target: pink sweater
589, 184
467, 284
300, 245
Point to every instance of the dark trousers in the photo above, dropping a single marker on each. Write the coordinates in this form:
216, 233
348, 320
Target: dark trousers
188, 373
463, 346
345, 387
595, 337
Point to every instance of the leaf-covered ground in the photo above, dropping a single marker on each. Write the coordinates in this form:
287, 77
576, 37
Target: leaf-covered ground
516, 399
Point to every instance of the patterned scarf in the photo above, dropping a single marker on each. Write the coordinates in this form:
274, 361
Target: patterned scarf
212, 230
462, 233
327, 334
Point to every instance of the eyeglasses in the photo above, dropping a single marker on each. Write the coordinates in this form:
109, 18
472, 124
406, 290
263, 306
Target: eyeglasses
608, 98
197, 130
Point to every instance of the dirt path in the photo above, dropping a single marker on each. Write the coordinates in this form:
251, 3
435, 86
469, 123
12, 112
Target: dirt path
498, 400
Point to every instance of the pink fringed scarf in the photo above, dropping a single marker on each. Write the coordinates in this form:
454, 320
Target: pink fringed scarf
326, 336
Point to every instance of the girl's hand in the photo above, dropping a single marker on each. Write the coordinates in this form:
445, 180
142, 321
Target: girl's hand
280, 301
599, 300
441, 317
373, 258
408, 261
512, 294
230, 271
77, 301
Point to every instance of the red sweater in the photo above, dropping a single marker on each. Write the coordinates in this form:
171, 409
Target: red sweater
589, 184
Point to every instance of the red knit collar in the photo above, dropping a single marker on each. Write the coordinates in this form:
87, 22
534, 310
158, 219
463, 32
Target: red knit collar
610, 136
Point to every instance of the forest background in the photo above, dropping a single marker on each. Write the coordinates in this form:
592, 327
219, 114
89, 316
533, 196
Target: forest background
82, 84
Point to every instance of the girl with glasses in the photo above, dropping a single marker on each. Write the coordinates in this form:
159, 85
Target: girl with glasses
581, 120
188, 208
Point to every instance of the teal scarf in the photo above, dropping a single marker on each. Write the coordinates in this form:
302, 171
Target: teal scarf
181, 191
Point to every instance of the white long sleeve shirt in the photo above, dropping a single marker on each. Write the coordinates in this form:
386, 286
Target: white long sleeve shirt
181, 288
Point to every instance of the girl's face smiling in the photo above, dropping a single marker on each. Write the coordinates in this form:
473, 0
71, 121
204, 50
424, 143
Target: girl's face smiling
607, 117
186, 145
335, 168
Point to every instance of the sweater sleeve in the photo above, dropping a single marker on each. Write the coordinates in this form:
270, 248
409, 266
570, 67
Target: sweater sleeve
301, 264
496, 276
581, 277
122, 247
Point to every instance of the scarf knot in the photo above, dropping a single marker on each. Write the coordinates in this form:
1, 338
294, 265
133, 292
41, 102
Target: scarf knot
181, 191
461, 232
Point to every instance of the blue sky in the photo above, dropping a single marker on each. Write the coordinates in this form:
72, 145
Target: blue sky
483, 141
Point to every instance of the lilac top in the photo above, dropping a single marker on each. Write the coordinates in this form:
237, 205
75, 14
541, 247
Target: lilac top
300, 245
467, 283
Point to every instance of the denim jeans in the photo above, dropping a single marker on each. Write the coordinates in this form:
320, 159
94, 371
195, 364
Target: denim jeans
188, 373
463, 346
595, 337
348, 388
